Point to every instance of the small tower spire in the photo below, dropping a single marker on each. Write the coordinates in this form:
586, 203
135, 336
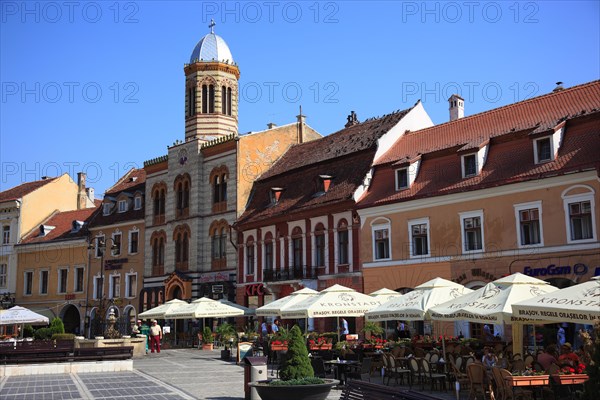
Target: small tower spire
212, 26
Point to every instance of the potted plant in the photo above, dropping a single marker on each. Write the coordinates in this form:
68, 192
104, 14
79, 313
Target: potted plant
297, 376
207, 338
227, 335
371, 329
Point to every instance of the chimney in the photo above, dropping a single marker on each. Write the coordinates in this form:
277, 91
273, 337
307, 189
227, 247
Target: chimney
90, 194
81, 192
352, 120
271, 125
559, 87
301, 121
457, 107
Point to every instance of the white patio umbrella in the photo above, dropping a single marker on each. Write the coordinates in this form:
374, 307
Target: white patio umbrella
578, 304
273, 309
384, 295
204, 308
493, 303
414, 305
160, 311
335, 301
247, 311
21, 315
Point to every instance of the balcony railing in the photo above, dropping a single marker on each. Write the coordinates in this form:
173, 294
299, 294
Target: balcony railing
290, 273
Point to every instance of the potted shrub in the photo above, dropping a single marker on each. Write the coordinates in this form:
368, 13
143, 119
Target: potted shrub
207, 338
371, 329
227, 335
297, 376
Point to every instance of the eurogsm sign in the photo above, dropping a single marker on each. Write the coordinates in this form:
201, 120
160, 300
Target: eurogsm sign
256, 289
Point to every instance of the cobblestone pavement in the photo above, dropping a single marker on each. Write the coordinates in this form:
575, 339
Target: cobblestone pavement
179, 374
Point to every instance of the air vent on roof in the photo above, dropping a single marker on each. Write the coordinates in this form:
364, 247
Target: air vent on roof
45, 229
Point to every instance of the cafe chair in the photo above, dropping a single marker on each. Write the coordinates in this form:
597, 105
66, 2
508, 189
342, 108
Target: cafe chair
416, 372
319, 367
433, 378
478, 386
387, 369
518, 365
398, 371
364, 373
529, 359
459, 376
512, 393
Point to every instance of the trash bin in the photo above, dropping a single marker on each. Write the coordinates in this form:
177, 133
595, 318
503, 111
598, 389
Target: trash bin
255, 369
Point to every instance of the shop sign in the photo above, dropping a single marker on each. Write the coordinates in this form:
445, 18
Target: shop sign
70, 296
256, 289
476, 272
214, 277
553, 269
117, 263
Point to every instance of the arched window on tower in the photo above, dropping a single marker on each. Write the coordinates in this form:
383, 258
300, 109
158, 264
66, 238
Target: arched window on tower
182, 192
181, 236
211, 99
223, 100
218, 235
157, 241
218, 180
216, 189
229, 101
159, 194
204, 99
191, 101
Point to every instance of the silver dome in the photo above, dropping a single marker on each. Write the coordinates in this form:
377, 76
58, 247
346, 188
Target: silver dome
211, 48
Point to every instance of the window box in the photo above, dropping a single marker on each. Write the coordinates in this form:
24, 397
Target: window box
531, 380
570, 379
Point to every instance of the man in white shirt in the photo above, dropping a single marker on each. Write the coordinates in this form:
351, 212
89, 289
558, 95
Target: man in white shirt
275, 326
155, 336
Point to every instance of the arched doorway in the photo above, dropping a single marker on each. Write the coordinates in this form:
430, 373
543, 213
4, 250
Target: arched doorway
71, 319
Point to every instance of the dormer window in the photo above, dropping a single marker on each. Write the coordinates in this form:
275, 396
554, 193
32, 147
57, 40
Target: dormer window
275, 194
106, 208
543, 150
76, 226
402, 178
122, 206
45, 229
469, 165
137, 202
325, 182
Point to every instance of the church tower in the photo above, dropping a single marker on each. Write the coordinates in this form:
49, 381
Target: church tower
211, 90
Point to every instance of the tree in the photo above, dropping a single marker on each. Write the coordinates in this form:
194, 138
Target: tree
296, 364
57, 325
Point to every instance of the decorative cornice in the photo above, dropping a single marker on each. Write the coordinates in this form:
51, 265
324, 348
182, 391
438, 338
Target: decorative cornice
211, 66
219, 140
156, 160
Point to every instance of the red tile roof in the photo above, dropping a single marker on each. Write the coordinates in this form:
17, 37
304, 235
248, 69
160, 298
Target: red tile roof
510, 157
63, 223
345, 155
23, 189
543, 112
343, 142
133, 181
128, 182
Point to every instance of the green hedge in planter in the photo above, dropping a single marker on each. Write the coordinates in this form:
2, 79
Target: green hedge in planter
296, 364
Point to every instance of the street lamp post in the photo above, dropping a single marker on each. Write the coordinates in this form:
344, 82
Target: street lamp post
101, 245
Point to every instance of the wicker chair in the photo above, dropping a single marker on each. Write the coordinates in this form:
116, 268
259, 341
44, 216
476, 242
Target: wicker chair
432, 377
476, 374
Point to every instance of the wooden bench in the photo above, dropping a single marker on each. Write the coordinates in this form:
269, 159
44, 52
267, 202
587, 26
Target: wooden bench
360, 390
36, 351
103, 353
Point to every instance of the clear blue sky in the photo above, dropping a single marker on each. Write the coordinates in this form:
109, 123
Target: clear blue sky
99, 86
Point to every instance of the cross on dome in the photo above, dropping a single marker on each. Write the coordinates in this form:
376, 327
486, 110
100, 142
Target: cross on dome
212, 25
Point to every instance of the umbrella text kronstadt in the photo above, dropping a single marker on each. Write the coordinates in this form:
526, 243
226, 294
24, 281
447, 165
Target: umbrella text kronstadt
577, 304
274, 308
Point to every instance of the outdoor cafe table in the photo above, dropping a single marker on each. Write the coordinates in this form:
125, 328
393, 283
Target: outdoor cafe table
340, 368
532, 381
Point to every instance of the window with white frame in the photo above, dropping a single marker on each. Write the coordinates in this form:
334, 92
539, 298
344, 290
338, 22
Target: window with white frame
78, 279
3, 275
63, 277
269, 254
320, 248
529, 224
115, 286
106, 208
98, 287
6, 234
44, 274
98, 246
581, 225
116, 248
122, 206
343, 245
297, 252
27, 283
137, 202
134, 237
469, 165
543, 151
381, 242
418, 231
402, 178
130, 285
250, 258
472, 231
